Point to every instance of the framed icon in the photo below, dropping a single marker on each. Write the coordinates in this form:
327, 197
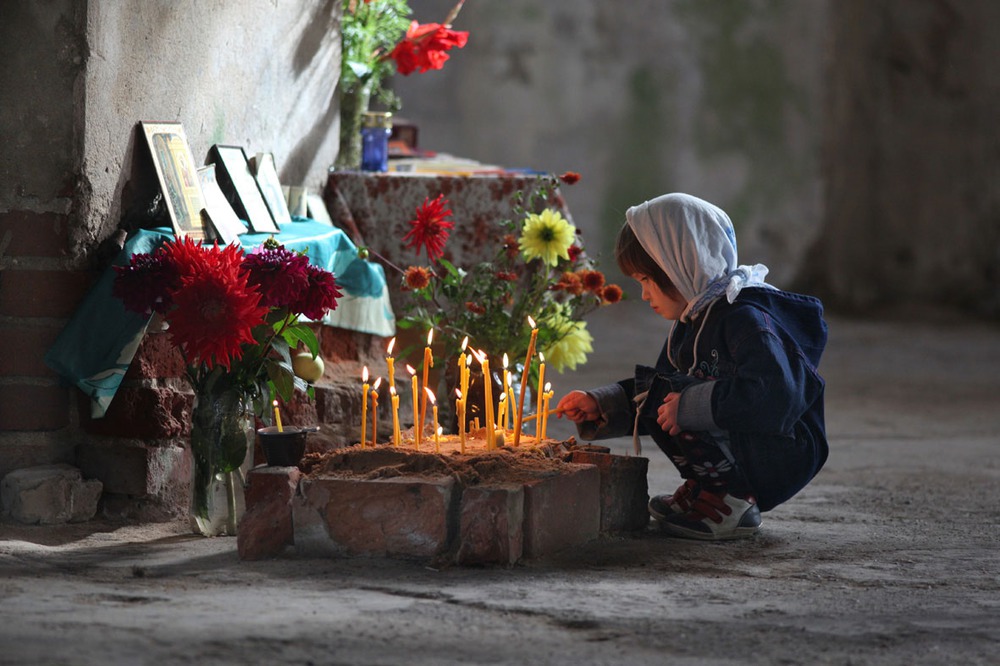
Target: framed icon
232, 170
178, 177
223, 220
270, 187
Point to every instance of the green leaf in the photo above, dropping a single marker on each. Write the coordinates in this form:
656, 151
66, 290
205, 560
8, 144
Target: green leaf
282, 378
301, 333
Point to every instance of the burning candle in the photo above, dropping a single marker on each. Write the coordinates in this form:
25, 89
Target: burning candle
541, 395
395, 415
378, 382
391, 362
416, 405
524, 382
506, 388
460, 411
462, 379
428, 364
502, 412
491, 424
547, 396
511, 409
364, 405
277, 416
434, 419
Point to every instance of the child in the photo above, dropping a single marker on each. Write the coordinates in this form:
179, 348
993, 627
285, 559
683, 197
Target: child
735, 400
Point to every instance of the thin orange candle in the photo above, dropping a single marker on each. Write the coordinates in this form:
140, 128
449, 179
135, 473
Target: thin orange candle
511, 407
524, 382
277, 416
463, 367
434, 419
391, 362
506, 388
428, 364
378, 382
541, 395
544, 418
484, 362
395, 415
502, 412
416, 405
460, 411
364, 405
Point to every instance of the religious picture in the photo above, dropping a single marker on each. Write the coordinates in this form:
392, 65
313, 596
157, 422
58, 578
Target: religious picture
270, 187
232, 170
222, 218
178, 177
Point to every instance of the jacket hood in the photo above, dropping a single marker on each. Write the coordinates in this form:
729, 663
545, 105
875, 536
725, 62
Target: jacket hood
800, 316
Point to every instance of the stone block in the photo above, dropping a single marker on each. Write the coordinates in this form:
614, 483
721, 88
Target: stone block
405, 517
561, 510
491, 525
624, 489
49, 495
266, 528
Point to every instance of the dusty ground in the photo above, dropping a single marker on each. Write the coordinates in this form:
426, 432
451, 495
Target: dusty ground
889, 557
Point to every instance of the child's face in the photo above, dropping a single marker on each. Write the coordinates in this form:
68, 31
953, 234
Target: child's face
662, 303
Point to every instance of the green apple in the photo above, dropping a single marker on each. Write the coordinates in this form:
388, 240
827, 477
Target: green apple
307, 367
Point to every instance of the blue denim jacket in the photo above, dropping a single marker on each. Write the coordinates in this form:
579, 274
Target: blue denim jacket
752, 374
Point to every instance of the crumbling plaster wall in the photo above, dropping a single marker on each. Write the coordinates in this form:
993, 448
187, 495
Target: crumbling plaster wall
719, 99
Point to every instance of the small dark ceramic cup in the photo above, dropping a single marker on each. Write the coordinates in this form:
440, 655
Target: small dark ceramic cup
285, 448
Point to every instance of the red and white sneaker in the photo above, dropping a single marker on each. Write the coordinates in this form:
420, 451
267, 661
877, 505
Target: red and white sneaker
680, 502
715, 517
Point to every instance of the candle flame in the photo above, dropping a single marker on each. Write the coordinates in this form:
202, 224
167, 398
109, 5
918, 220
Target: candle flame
430, 337
440, 430
479, 354
430, 394
364, 375
410, 369
468, 360
392, 343
275, 403
531, 322
465, 342
378, 382
548, 386
505, 361
392, 390
541, 357
503, 397
458, 394
510, 377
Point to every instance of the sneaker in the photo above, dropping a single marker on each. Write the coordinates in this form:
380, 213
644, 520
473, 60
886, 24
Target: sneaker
662, 506
715, 517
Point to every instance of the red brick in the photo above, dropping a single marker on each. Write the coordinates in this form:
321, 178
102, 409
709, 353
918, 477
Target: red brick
491, 525
30, 407
562, 511
266, 527
624, 489
35, 234
142, 412
26, 293
23, 349
134, 469
403, 517
156, 357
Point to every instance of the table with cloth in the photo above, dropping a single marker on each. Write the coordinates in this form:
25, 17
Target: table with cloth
98, 344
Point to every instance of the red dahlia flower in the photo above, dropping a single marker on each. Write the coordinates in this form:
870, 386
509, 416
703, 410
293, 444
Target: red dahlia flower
430, 228
320, 295
144, 285
215, 311
570, 177
425, 47
281, 275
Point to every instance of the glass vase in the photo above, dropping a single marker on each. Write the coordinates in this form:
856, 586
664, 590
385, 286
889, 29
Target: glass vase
222, 436
353, 105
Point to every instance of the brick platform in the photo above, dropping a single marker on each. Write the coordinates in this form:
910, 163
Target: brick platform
486, 509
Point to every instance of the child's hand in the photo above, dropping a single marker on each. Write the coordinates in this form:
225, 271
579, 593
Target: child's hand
578, 407
666, 415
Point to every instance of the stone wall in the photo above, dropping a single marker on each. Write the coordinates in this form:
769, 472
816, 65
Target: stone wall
77, 77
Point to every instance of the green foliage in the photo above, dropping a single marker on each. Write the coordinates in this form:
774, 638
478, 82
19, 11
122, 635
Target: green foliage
368, 34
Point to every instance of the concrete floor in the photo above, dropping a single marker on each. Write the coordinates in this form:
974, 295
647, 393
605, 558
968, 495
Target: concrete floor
889, 557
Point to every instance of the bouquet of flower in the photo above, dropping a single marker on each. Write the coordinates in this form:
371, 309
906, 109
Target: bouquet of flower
377, 37
234, 317
540, 274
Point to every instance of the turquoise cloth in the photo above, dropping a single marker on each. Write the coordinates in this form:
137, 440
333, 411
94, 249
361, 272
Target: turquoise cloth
96, 347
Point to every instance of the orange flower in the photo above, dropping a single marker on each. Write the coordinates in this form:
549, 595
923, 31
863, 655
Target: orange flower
475, 308
417, 277
611, 294
430, 227
570, 283
570, 177
592, 280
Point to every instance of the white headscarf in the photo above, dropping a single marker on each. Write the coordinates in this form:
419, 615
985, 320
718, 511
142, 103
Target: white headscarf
694, 243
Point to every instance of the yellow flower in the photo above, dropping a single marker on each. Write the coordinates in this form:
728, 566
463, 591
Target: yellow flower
547, 236
573, 345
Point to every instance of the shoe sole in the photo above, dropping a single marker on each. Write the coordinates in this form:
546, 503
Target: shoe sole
685, 533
